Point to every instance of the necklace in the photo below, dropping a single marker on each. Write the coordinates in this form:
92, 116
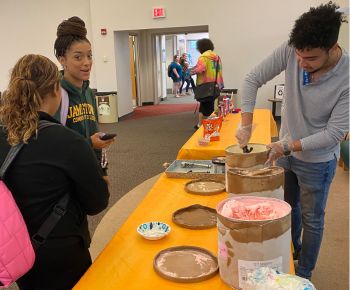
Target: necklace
104, 160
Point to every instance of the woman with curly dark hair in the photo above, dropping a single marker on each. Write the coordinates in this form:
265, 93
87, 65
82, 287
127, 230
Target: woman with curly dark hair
54, 163
315, 119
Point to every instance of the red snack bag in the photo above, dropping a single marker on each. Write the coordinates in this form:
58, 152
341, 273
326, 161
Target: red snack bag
212, 128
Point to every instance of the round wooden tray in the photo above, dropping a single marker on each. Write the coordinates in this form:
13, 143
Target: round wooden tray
195, 217
185, 264
204, 187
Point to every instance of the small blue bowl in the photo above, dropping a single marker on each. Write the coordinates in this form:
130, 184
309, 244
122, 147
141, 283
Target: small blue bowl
153, 230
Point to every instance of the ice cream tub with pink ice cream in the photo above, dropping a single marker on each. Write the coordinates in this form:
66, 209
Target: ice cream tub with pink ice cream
253, 232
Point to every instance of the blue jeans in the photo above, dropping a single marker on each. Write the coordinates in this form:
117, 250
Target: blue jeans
189, 82
306, 187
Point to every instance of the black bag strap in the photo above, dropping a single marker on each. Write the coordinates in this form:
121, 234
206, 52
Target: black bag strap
11, 155
50, 223
217, 68
59, 209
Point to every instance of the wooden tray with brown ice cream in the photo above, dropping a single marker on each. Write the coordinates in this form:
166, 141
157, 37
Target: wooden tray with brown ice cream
195, 217
185, 264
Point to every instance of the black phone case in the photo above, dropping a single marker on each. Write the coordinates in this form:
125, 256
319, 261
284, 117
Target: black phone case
107, 136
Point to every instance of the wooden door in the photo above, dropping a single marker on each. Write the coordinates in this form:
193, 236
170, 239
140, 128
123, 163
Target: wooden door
133, 74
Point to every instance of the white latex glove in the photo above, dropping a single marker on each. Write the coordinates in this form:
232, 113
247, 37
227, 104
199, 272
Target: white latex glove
276, 150
243, 134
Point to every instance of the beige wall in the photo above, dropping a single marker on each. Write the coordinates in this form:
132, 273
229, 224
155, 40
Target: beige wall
30, 27
244, 32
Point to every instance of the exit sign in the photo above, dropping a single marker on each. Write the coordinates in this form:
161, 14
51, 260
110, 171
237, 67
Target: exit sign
158, 12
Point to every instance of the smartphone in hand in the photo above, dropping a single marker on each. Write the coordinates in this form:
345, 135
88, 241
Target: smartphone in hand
107, 136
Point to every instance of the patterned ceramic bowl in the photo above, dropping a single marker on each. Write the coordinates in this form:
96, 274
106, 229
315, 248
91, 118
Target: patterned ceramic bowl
153, 230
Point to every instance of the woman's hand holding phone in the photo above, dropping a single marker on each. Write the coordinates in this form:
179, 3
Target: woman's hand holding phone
107, 136
102, 140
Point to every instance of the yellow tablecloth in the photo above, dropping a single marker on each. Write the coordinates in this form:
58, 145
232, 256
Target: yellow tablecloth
127, 261
265, 128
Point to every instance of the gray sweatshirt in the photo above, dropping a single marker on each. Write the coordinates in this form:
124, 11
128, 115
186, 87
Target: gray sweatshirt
316, 114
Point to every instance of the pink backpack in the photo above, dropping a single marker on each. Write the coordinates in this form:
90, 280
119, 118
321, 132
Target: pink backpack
17, 253
16, 246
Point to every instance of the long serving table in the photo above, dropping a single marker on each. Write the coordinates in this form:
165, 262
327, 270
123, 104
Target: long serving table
264, 129
127, 260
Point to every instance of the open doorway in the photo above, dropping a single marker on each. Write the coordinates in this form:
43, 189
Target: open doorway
141, 60
166, 46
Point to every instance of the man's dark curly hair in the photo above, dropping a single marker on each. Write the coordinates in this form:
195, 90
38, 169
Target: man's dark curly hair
204, 44
317, 28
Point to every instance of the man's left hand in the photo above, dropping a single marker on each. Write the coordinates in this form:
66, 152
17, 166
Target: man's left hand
277, 150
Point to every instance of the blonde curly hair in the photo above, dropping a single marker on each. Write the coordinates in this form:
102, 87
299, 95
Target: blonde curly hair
33, 78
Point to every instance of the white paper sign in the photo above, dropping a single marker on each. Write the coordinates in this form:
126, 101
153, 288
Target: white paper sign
279, 91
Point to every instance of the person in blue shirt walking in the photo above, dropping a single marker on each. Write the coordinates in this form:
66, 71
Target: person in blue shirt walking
175, 71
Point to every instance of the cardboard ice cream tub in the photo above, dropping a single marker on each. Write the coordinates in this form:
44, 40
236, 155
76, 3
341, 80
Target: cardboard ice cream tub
252, 232
236, 158
264, 182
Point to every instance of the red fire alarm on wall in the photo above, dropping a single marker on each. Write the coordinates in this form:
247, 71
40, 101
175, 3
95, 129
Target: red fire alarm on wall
158, 12
103, 31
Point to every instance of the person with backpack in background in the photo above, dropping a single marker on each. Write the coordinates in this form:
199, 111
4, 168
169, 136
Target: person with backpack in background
52, 163
175, 73
208, 70
73, 51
